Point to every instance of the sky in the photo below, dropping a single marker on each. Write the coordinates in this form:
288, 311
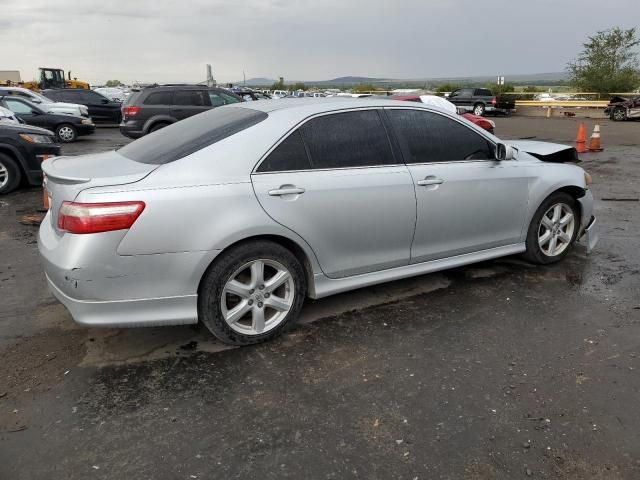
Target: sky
172, 41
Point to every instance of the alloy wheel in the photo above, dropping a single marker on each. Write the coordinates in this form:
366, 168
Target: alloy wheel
66, 134
4, 175
257, 297
556, 229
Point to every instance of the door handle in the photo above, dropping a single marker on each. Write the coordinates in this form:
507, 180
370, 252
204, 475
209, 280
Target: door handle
430, 181
286, 191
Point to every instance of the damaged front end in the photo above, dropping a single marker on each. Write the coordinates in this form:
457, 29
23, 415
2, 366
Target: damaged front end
547, 152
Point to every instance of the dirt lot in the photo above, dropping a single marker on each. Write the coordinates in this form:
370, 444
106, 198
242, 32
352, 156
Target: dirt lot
501, 370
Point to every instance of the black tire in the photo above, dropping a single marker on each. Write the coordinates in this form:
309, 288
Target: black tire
221, 270
619, 114
66, 133
158, 126
10, 174
534, 252
479, 109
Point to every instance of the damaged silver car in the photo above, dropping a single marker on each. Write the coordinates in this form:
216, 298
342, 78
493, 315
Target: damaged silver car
234, 216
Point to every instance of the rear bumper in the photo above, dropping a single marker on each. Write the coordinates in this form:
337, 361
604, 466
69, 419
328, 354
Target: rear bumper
101, 288
131, 131
145, 312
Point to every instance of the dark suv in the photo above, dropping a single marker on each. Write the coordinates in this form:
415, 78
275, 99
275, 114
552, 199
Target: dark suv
100, 107
156, 107
480, 100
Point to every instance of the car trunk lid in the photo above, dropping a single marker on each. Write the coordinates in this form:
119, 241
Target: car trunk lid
66, 177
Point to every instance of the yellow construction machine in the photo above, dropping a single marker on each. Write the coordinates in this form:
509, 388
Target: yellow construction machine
52, 78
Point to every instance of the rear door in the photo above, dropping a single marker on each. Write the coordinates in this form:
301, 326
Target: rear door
187, 103
466, 200
336, 183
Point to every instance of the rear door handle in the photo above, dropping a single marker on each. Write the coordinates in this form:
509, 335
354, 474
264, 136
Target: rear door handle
286, 191
430, 181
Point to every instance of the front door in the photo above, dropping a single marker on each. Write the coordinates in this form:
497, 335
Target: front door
466, 200
348, 198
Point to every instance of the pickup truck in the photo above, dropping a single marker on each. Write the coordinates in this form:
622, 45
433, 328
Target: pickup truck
481, 100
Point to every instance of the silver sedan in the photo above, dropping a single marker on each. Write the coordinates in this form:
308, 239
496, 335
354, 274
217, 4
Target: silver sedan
234, 216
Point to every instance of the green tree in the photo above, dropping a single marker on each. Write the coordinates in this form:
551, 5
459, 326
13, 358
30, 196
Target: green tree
608, 62
113, 83
531, 89
364, 87
279, 85
298, 86
447, 87
500, 89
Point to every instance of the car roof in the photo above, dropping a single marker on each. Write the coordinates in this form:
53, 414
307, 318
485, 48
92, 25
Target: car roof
326, 104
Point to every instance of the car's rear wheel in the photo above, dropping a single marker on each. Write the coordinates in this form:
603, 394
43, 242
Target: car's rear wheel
619, 114
66, 133
252, 293
157, 126
10, 174
553, 229
478, 109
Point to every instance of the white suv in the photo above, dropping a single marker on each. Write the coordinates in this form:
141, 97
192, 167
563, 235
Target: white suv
45, 103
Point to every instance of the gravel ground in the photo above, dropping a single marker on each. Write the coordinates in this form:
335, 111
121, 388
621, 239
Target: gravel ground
500, 370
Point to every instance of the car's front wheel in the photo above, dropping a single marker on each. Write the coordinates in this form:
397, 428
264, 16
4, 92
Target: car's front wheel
619, 114
251, 293
66, 133
9, 174
553, 229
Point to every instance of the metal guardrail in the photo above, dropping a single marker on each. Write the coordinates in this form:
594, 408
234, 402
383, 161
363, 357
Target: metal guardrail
550, 105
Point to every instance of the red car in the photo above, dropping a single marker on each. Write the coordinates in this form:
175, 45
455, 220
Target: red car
482, 122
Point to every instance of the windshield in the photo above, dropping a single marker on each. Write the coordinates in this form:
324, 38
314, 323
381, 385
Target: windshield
42, 98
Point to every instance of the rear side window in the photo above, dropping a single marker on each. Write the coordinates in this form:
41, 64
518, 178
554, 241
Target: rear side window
159, 98
483, 92
289, 155
427, 137
194, 98
190, 135
349, 139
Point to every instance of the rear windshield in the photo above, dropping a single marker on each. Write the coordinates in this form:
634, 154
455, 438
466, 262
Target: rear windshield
190, 135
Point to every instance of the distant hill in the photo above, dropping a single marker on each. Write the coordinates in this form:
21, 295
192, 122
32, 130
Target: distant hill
350, 81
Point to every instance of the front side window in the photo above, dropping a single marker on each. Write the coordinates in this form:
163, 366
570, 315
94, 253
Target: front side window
348, 139
216, 100
16, 106
228, 99
289, 155
194, 98
427, 137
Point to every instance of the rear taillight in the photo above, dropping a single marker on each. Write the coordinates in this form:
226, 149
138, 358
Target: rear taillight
98, 217
494, 101
129, 111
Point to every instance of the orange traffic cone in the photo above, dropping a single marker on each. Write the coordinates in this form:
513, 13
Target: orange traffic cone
581, 139
594, 144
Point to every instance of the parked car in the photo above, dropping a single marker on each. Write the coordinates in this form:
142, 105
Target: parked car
7, 116
234, 217
156, 107
249, 95
481, 100
22, 151
621, 108
100, 107
115, 94
67, 128
45, 103
443, 103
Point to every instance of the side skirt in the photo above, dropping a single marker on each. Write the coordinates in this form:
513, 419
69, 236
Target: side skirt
324, 286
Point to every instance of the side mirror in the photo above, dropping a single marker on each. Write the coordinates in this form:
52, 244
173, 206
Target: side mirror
505, 152
105, 100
